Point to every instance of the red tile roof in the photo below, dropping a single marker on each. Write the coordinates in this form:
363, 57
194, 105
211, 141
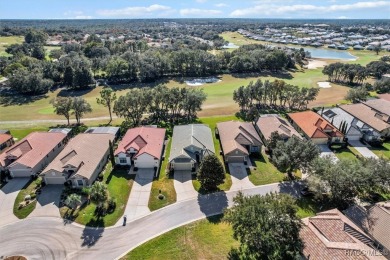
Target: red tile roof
4, 138
385, 96
314, 125
148, 140
33, 148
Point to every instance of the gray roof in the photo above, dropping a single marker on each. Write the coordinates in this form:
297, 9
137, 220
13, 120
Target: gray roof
103, 130
336, 115
197, 135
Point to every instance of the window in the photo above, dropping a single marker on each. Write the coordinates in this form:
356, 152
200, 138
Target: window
80, 182
122, 160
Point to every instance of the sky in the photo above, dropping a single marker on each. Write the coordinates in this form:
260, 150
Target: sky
136, 9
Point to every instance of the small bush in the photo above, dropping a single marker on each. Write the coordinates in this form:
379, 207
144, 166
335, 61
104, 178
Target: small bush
100, 178
111, 205
161, 196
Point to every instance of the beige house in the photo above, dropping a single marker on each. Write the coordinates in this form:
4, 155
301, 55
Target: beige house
31, 154
238, 140
80, 162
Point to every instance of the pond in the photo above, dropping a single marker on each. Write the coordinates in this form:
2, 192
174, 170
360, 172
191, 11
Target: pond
230, 46
330, 54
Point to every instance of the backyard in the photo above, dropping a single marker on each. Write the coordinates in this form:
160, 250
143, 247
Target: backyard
119, 184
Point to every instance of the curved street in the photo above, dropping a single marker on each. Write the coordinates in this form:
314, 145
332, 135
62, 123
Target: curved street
54, 238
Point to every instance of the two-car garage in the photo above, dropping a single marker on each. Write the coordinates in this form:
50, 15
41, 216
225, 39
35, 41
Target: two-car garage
54, 178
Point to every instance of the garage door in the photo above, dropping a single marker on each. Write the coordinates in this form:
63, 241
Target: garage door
236, 159
54, 180
182, 166
20, 173
144, 164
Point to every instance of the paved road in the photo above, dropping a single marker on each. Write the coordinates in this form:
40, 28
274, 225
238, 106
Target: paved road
362, 149
51, 238
137, 204
239, 177
8, 195
48, 202
182, 181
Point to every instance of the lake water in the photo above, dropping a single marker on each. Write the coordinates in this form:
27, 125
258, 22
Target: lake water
330, 54
230, 46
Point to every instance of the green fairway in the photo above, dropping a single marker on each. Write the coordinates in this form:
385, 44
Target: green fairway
5, 41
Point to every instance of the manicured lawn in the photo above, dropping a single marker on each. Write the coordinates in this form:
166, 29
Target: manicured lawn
119, 184
383, 151
264, 172
348, 153
205, 239
27, 190
20, 133
163, 183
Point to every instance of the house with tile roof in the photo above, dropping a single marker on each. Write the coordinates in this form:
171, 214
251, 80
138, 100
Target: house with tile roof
238, 140
31, 154
6, 140
373, 219
355, 128
80, 162
141, 147
269, 123
385, 96
331, 235
190, 144
315, 128
381, 107
372, 118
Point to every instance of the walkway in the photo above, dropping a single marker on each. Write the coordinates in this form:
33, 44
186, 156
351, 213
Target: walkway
363, 149
239, 177
326, 152
50, 238
48, 202
8, 195
137, 204
183, 185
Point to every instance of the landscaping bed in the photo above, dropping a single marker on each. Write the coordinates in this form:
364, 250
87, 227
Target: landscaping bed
26, 201
119, 184
163, 191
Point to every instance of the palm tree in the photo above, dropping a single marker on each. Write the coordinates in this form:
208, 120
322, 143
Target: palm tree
99, 193
73, 200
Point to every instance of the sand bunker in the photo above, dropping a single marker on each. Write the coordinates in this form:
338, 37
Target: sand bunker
201, 81
324, 84
314, 64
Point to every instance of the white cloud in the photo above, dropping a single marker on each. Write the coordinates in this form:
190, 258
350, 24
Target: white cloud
82, 17
76, 15
221, 5
201, 1
342, 17
136, 11
277, 10
191, 12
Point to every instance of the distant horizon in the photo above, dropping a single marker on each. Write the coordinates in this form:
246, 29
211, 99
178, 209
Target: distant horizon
194, 9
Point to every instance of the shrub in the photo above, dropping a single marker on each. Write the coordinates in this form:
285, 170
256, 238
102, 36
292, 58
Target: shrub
111, 205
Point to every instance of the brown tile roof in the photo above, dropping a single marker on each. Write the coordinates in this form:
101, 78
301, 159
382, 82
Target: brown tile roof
325, 236
380, 105
148, 140
366, 115
4, 138
274, 123
33, 148
314, 125
378, 224
85, 151
229, 131
385, 96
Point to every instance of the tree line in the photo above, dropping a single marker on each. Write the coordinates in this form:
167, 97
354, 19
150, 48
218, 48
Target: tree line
275, 94
155, 105
78, 65
355, 74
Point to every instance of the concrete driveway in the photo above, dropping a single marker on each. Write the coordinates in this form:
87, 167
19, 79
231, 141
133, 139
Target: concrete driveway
48, 202
326, 152
8, 195
239, 177
182, 181
137, 204
362, 149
